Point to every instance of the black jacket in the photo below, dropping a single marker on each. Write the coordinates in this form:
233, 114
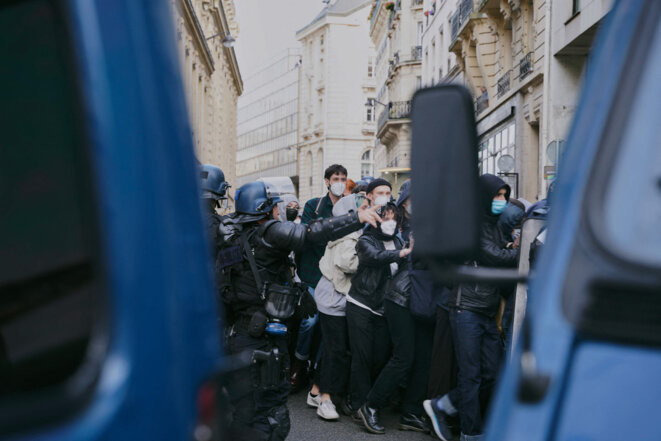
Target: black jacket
271, 244
480, 297
368, 285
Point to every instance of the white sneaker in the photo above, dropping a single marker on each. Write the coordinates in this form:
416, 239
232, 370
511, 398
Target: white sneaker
314, 401
326, 410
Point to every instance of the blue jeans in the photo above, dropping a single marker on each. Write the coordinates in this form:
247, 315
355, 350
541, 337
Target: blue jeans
478, 349
305, 333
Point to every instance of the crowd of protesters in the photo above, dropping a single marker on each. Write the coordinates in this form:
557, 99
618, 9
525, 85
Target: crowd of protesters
386, 332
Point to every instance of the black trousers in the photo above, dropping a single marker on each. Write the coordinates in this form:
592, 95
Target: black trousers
370, 349
479, 351
335, 360
443, 359
409, 362
260, 410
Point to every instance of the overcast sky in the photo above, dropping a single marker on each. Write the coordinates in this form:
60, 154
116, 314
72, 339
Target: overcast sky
267, 27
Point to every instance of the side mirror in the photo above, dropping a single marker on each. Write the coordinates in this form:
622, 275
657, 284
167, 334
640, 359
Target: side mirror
445, 193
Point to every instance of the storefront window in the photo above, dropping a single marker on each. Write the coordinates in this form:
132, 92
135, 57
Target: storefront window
493, 145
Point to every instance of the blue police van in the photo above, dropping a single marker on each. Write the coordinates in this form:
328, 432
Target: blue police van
108, 320
587, 362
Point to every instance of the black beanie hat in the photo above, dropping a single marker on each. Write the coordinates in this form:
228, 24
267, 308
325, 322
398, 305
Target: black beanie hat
377, 183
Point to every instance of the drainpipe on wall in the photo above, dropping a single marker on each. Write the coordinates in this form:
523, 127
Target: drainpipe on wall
546, 117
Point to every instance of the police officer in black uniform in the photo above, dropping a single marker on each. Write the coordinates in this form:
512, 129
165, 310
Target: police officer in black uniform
260, 295
214, 190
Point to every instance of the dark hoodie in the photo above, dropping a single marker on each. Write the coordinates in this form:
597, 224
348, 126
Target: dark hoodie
485, 298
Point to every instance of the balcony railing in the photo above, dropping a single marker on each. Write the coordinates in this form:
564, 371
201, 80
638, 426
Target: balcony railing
455, 23
466, 9
482, 102
460, 16
417, 3
416, 53
396, 110
396, 60
375, 12
504, 84
525, 66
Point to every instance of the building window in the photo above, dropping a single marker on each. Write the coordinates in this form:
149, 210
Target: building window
370, 67
418, 82
311, 163
495, 144
575, 6
369, 114
321, 40
419, 37
366, 164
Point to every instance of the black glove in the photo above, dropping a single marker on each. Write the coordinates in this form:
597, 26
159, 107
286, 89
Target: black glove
307, 307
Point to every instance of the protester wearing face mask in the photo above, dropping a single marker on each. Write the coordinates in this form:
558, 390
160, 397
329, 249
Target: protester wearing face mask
380, 253
473, 308
288, 209
335, 178
337, 266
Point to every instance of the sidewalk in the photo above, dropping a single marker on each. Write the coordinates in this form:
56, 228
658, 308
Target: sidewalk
307, 426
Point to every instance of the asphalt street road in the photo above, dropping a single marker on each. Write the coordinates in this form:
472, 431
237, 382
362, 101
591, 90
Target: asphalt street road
306, 425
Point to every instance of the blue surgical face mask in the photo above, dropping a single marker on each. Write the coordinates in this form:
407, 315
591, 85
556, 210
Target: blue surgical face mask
497, 207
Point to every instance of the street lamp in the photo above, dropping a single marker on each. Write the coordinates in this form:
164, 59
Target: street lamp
228, 40
371, 102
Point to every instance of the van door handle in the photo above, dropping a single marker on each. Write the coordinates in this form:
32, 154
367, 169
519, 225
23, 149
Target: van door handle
533, 385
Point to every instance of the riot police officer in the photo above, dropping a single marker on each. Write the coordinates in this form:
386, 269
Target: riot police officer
260, 295
214, 189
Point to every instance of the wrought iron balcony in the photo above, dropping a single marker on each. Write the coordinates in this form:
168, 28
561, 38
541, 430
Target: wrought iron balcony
455, 23
466, 9
395, 111
375, 12
504, 84
416, 53
525, 66
482, 102
460, 17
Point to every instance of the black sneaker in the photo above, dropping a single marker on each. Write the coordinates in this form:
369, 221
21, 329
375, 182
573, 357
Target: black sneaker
370, 419
413, 422
439, 421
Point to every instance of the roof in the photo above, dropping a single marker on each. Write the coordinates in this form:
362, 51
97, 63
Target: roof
337, 7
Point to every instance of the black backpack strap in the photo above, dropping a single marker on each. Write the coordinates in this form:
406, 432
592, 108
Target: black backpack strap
247, 249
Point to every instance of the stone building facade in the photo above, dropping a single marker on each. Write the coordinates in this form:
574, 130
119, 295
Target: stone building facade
523, 60
439, 64
336, 78
212, 79
268, 120
501, 49
396, 29
573, 27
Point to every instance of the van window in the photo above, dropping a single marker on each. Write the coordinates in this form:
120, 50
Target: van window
50, 289
632, 205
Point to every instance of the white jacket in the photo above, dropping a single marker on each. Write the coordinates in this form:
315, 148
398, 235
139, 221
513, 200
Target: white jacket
340, 261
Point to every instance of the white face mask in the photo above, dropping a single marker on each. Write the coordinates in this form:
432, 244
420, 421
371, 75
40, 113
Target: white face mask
337, 188
381, 200
389, 227
408, 208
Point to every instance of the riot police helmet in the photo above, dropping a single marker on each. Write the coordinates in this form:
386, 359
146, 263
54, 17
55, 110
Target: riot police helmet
212, 181
255, 198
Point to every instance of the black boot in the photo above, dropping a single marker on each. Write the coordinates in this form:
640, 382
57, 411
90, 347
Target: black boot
370, 419
413, 422
299, 378
347, 409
